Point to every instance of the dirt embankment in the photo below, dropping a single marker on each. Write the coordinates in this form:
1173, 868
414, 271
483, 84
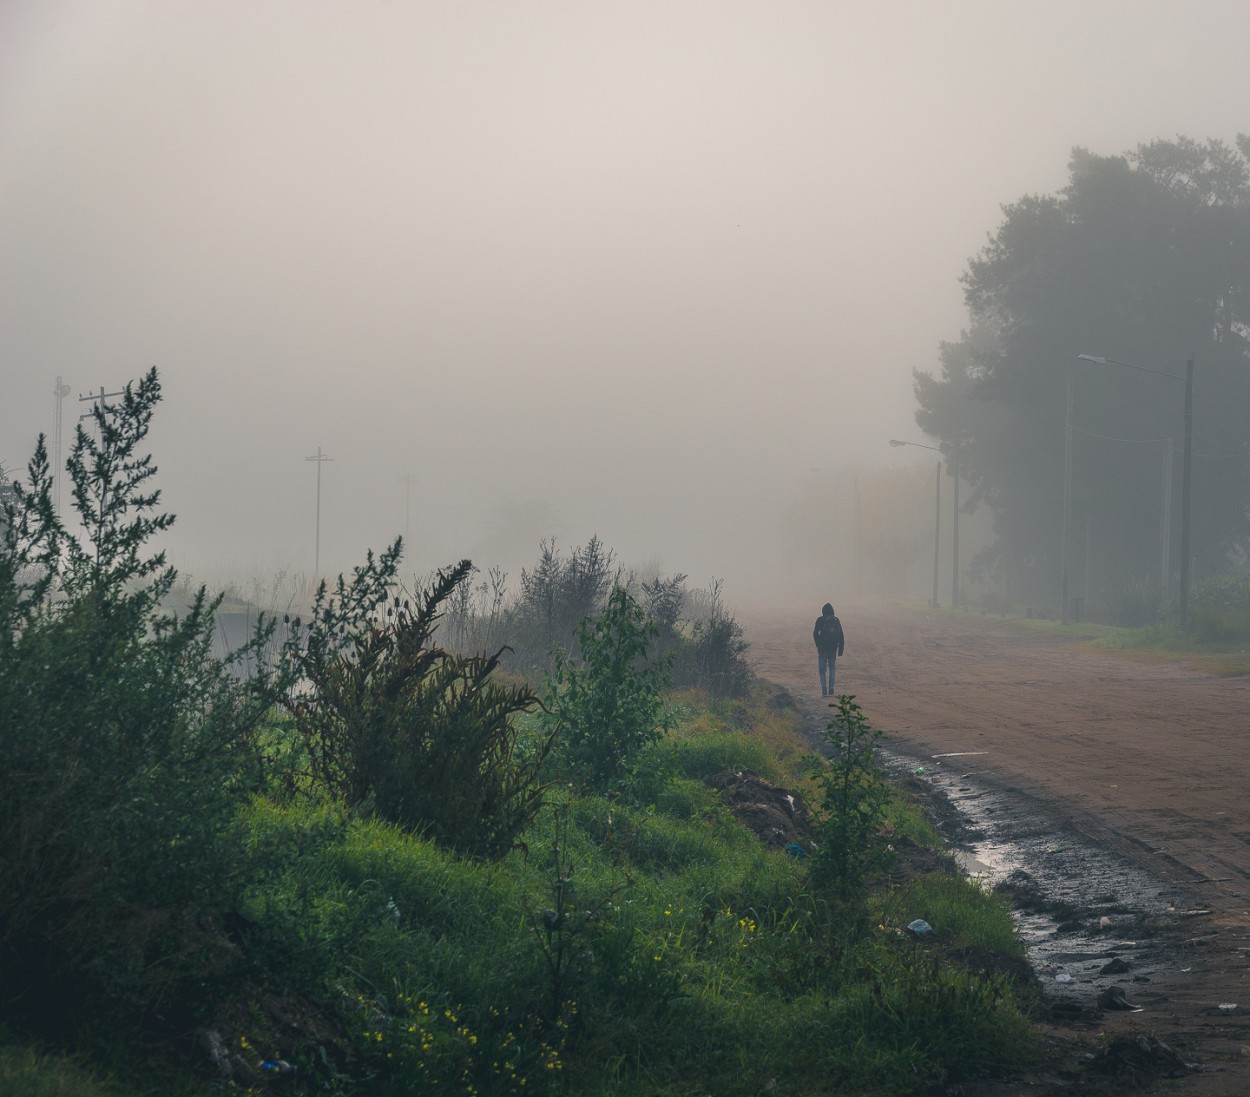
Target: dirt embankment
1149, 760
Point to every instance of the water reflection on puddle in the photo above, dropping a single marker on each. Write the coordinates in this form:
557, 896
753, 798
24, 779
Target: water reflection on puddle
1078, 909
989, 863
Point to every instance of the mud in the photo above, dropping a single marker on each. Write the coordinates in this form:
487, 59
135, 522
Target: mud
1077, 906
1125, 863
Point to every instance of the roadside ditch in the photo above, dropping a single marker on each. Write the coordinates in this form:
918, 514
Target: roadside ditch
1126, 962
1137, 983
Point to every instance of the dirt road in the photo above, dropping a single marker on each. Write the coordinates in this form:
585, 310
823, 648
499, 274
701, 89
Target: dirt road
1150, 759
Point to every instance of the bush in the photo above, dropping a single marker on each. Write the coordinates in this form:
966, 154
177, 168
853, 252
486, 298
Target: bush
556, 596
1221, 610
125, 746
854, 800
399, 726
703, 644
715, 656
608, 705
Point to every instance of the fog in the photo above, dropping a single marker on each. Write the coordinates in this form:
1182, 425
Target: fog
656, 272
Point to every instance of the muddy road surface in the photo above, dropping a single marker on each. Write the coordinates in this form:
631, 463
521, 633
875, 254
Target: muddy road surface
1142, 761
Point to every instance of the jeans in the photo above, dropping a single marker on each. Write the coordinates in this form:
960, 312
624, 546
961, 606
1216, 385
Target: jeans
827, 664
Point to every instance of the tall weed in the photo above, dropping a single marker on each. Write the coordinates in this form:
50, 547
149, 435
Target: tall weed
854, 800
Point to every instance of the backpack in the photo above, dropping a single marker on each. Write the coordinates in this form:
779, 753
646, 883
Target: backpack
827, 632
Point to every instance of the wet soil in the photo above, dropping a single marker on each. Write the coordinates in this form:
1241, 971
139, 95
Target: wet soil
1106, 795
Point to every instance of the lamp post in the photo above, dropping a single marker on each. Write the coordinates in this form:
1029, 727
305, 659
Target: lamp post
937, 516
1186, 460
1067, 499
955, 528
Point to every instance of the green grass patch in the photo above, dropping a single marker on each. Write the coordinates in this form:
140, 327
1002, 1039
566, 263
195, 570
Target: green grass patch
905, 820
24, 1072
767, 719
628, 945
1218, 641
961, 911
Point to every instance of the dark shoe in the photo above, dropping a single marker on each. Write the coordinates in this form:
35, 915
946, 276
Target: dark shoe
824, 692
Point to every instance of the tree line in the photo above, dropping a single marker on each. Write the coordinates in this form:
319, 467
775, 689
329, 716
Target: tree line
1140, 264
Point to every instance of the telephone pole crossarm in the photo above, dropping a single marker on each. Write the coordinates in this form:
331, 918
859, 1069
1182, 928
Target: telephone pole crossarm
98, 397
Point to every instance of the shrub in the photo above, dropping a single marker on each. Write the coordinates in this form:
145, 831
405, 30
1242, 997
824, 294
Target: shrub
1221, 610
608, 705
556, 596
421, 736
715, 657
124, 744
854, 799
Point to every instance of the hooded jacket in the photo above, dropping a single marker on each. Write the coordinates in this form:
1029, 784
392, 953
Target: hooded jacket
828, 632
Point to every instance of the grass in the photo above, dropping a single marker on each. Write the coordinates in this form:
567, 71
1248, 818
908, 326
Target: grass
906, 821
1228, 656
764, 730
960, 910
631, 946
25, 1072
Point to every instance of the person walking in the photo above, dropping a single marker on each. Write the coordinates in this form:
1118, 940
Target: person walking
830, 642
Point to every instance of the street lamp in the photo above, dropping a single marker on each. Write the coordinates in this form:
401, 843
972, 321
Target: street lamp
1067, 499
937, 518
1186, 464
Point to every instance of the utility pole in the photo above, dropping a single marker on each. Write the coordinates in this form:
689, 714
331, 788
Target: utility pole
937, 533
1165, 527
100, 398
321, 459
955, 527
1067, 501
58, 406
1186, 464
1186, 469
859, 543
937, 519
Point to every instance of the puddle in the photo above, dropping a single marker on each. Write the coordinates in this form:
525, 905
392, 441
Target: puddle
1091, 921
987, 862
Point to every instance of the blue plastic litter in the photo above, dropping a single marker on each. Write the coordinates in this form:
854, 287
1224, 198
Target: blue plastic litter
919, 927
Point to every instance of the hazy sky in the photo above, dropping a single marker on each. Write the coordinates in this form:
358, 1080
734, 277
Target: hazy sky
633, 269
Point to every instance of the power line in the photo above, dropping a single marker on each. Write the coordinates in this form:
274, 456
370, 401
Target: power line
1244, 451
99, 398
1114, 438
